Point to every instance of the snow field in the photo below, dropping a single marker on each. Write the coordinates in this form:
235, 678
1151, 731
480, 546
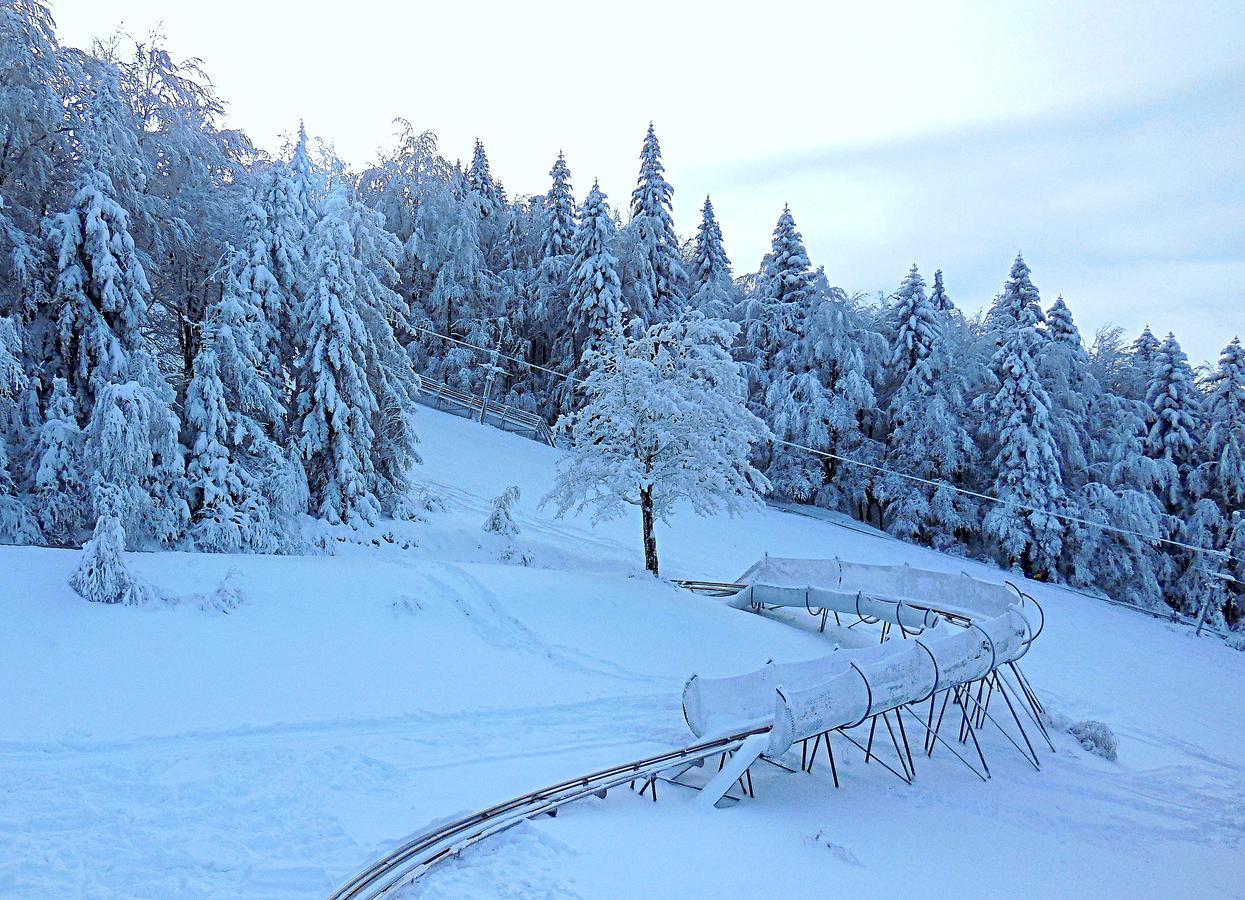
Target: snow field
354, 699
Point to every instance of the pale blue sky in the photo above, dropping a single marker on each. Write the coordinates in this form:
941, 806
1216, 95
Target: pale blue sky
1102, 138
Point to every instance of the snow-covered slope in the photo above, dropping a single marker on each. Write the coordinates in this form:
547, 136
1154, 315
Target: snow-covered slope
354, 698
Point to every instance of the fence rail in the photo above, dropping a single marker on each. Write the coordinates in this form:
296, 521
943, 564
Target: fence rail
439, 395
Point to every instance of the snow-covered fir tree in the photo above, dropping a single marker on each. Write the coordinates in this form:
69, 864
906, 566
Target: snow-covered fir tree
927, 437
227, 514
914, 319
773, 314
501, 515
656, 284
17, 524
60, 488
837, 343
1141, 359
480, 180
1200, 589
99, 305
262, 304
595, 309
1064, 367
100, 295
1222, 474
289, 202
557, 246
101, 575
1021, 441
938, 295
557, 237
663, 421
1175, 415
335, 405
713, 288
394, 384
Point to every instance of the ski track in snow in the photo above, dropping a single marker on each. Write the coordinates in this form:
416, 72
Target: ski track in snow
254, 812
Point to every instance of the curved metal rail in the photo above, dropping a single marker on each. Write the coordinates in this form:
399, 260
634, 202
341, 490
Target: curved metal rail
410, 860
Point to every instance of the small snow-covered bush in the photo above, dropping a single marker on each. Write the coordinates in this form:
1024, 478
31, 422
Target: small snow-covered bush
226, 597
1097, 738
101, 575
501, 520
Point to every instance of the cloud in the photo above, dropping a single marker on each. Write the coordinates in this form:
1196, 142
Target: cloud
1133, 212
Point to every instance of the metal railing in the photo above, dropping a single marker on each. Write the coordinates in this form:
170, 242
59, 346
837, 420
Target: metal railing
439, 395
406, 863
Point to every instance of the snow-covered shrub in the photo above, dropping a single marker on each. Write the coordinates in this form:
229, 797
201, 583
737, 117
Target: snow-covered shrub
501, 520
1097, 738
101, 575
226, 597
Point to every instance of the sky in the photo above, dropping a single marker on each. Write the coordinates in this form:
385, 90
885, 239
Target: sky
1101, 139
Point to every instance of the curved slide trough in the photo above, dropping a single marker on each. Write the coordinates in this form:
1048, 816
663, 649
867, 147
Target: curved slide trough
956, 630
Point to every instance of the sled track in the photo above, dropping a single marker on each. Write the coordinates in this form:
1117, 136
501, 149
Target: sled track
407, 862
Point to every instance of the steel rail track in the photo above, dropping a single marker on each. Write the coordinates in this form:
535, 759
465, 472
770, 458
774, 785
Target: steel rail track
407, 862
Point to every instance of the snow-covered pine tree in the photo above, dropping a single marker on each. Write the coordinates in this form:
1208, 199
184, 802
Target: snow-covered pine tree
1018, 306
243, 489
100, 305
914, 320
1175, 414
501, 517
100, 295
656, 284
799, 410
713, 289
837, 342
394, 383
480, 180
335, 406
135, 461
289, 201
1022, 443
558, 236
595, 309
60, 486
1122, 488
938, 295
927, 437
1199, 583
486, 200
258, 300
1139, 363
17, 524
773, 315
1222, 474
1118, 563
458, 293
1064, 367
224, 499
557, 246
101, 575
664, 421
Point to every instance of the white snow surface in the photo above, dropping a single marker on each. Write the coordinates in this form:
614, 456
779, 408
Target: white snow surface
352, 700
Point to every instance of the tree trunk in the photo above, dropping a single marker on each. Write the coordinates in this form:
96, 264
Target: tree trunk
650, 539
